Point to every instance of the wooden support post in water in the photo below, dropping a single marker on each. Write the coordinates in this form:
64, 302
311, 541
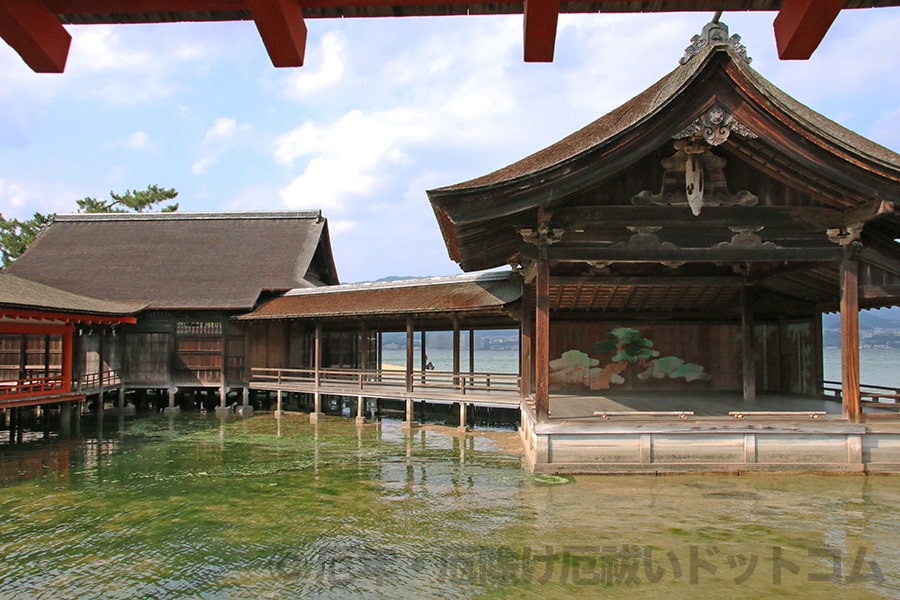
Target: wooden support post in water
316, 414
171, 408
360, 411
850, 335
409, 423
463, 422
245, 409
409, 354
278, 404
542, 336
748, 362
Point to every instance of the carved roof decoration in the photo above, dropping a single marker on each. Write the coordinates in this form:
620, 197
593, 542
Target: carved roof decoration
714, 32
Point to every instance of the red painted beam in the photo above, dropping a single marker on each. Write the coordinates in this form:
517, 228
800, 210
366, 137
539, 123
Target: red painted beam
541, 17
36, 34
280, 24
802, 24
36, 317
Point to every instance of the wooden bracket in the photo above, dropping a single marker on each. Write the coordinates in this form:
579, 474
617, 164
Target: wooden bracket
283, 31
36, 34
802, 24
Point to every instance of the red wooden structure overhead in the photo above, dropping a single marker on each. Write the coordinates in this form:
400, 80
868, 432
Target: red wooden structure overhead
35, 28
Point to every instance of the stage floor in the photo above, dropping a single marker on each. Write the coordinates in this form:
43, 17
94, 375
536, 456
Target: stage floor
703, 404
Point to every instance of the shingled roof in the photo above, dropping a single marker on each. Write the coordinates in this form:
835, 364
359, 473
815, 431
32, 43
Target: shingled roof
22, 294
181, 260
484, 293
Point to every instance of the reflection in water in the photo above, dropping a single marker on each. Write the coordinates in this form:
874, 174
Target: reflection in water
202, 507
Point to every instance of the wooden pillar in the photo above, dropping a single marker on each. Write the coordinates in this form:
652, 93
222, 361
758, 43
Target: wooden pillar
526, 345
463, 424
317, 355
819, 377
456, 360
363, 346
316, 414
223, 391
748, 362
471, 351
542, 336
423, 355
409, 354
850, 336
67, 359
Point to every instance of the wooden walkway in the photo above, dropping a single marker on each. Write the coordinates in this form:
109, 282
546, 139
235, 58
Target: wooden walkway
482, 389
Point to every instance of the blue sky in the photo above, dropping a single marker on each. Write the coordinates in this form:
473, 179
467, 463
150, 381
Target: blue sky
383, 110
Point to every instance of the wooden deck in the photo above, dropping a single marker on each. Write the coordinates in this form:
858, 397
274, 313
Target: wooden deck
482, 389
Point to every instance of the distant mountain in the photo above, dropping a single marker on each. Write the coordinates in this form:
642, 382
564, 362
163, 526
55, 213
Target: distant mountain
877, 329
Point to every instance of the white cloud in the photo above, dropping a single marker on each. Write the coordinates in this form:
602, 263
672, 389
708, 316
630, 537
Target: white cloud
348, 156
220, 138
324, 69
137, 140
12, 197
222, 129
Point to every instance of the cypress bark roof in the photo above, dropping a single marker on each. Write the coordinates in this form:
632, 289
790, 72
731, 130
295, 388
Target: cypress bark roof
459, 294
181, 260
19, 293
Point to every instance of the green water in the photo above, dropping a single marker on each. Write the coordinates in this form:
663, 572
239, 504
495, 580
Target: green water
201, 508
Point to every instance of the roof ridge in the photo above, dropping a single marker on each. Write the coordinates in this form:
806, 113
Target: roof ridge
190, 216
403, 283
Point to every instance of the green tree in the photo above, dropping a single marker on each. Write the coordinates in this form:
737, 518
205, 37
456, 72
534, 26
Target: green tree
16, 235
130, 201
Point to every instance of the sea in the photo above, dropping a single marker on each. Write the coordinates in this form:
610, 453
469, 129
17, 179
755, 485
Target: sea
225, 507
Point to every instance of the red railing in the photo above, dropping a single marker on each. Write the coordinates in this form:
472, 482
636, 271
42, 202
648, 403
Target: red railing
33, 386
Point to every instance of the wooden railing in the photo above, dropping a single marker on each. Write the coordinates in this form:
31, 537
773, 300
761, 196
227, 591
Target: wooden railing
94, 381
33, 386
379, 379
878, 394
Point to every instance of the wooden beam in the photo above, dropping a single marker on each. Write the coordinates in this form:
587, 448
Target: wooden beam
802, 24
586, 252
283, 31
850, 338
541, 17
36, 34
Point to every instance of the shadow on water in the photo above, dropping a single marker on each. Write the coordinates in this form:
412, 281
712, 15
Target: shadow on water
198, 506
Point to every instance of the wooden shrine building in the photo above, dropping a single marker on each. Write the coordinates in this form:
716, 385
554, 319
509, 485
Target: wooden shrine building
192, 272
38, 328
687, 243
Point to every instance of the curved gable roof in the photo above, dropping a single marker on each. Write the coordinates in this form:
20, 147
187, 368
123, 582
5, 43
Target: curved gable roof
850, 168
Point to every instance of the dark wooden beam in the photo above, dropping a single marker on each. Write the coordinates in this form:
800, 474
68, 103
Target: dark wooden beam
33, 31
652, 281
587, 217
283, 31
541, 17
748, 362
802, 24
584, 253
